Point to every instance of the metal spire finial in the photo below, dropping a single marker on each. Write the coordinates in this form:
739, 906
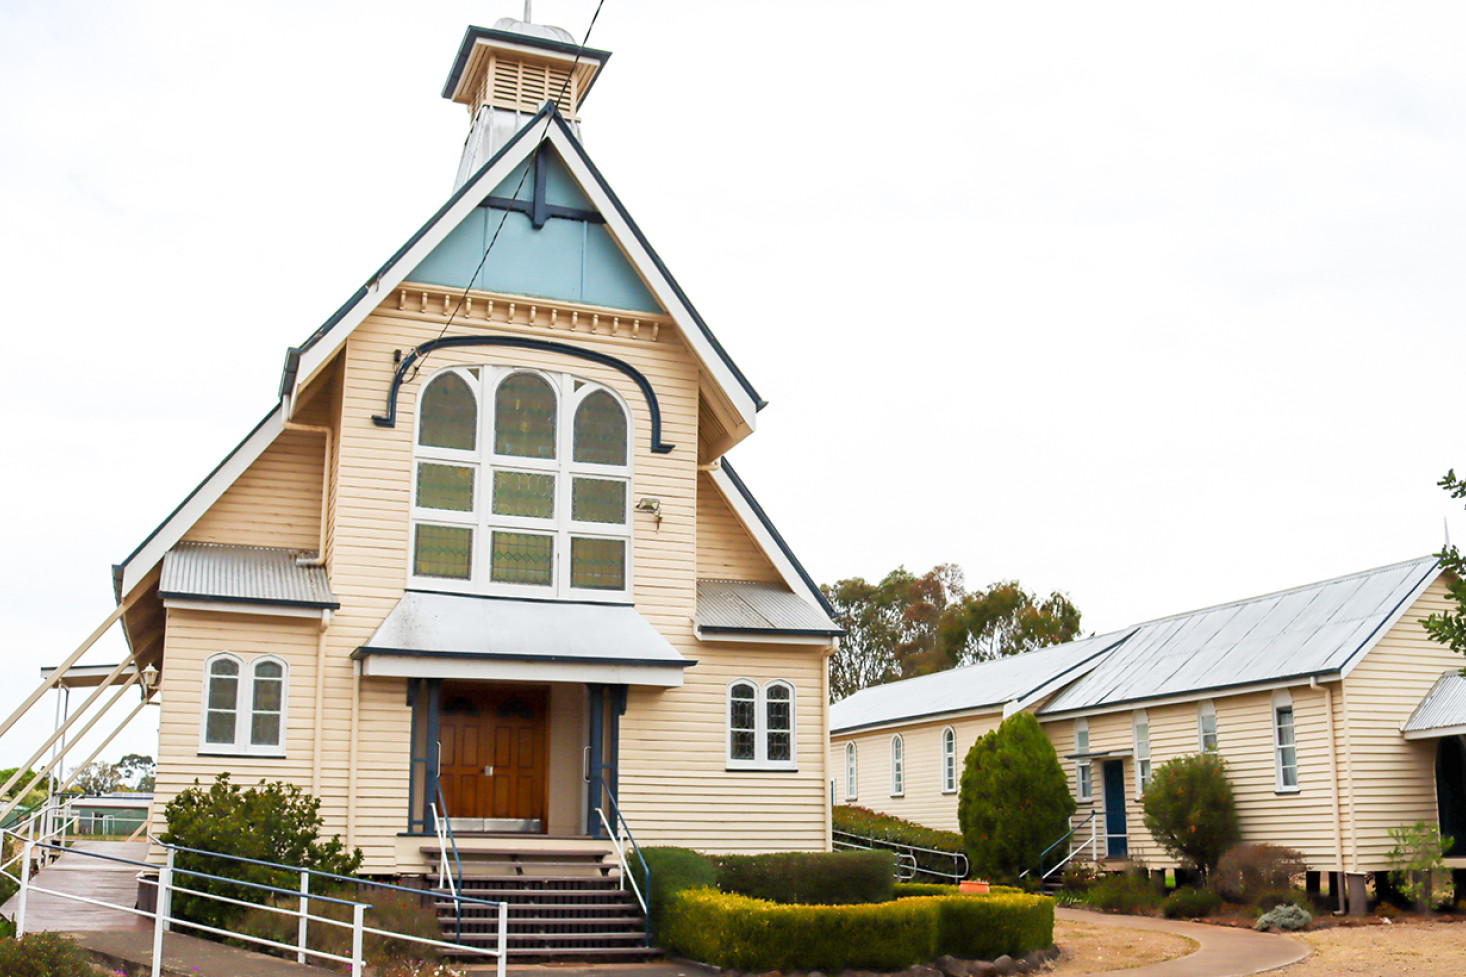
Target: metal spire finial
528, 11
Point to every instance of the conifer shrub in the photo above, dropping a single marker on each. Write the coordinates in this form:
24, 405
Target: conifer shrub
271, 822
811, 878
1190, 810
1014, 800
1288, 917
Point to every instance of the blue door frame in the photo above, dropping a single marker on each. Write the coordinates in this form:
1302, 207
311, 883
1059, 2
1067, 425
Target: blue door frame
1117, 845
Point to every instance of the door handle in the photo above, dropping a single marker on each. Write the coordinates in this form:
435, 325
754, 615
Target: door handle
489, 771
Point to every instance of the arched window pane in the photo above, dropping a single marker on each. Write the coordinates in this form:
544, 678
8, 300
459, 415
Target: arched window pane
898, 766
600, 431
524, 417
449, 414
850, 771
223, 701
742, 720
949, 760
269, 687
779, 712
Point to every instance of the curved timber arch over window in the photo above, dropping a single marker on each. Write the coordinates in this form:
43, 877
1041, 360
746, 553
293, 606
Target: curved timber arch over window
405, 368
522, 485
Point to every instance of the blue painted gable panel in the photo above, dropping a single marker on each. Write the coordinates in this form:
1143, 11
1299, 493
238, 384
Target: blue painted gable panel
568, 260
560, 187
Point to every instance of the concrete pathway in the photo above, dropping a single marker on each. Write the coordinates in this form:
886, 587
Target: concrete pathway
96, 878
1225, 951
187, 956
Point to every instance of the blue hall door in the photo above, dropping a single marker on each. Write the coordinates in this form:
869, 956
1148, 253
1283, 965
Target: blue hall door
1116, 844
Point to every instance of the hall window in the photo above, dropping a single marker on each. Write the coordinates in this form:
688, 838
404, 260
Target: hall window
1285, 743
243, 705
1142, 751
760, 725
852, 772
521, 485
949, 761
1206, 725
898, 766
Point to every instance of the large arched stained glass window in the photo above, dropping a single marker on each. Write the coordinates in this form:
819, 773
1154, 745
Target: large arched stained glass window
544, 507
524, 417
449, 414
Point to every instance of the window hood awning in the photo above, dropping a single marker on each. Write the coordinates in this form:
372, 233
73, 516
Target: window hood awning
1100, 755
432, 635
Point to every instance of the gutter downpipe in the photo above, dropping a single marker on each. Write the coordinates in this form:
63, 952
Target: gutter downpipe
1328, 704
317, 733
355, 750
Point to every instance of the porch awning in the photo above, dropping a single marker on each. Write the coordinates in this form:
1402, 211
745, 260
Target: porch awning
1100, 755
1442, 712
432, 635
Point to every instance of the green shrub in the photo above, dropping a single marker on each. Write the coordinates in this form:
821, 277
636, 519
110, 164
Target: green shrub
1015, 800
898, 831
1417, 863
396, 912
757, 935
1189, 903
1124, 894
912, 890
275, 822
1287, 917
1246, 872
1190, 810
1079, 877
43, 955
673, 870
810, 878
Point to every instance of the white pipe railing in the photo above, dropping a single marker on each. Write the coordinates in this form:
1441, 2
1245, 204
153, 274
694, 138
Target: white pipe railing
165, 921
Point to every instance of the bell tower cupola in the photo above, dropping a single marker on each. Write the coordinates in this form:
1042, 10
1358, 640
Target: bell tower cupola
506, 73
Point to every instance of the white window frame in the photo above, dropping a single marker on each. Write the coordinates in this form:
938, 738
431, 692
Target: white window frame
485, 462
852, 772
1140, 729
898, 766
760, 760
1206, 709
1282, 704
1083, 769
949, 760
240, 745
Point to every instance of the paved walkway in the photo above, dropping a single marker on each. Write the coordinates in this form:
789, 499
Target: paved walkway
187, 956
96, 878
1225, 951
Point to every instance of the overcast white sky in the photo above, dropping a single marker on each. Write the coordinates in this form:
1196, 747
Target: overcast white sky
1154, 304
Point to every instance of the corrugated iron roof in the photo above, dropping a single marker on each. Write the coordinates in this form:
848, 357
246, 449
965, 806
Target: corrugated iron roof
767, 608
1442, 711
985, 685
1316, 629
248, 574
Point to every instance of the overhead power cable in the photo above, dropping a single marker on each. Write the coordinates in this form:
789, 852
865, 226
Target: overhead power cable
544, 133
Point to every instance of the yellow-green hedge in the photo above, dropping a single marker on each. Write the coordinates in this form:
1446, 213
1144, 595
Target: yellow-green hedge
756, 935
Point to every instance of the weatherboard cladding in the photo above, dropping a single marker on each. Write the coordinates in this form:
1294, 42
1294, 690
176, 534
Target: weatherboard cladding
738, 605
986, 685
1318, 629
252, 574
1444, 706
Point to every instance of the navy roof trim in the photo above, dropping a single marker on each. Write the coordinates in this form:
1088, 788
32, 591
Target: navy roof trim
1201, 691
810, 632
759, 402
1412, 595
117, 568
768, 524
474, 34
329, 605
1079, 664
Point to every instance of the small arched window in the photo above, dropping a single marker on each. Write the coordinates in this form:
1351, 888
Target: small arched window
600, 431
1206, 726
949, 761
449, 414
852, 774
898, 766
761, 729
244, 705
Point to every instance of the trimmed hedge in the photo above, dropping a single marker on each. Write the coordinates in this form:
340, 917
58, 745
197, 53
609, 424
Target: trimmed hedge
863, 821
673, 871
810, 878
908, 890
742, 933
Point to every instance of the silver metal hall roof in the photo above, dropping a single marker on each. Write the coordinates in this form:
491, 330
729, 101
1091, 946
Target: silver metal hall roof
986, 685
1442, 712
1321, 629
244, 574
1318, 629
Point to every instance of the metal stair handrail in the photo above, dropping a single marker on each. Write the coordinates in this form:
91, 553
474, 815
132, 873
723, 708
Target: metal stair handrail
1093, 843
849, 840
448, 843
620, 849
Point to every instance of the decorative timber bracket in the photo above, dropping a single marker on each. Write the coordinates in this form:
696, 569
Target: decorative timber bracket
524, 342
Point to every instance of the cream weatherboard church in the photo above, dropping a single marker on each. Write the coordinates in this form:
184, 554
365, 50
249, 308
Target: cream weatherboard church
485, 554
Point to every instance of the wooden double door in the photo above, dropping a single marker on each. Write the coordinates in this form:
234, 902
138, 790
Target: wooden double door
492, 751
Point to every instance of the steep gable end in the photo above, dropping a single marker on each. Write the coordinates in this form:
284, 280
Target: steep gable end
548, 240
725, 549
